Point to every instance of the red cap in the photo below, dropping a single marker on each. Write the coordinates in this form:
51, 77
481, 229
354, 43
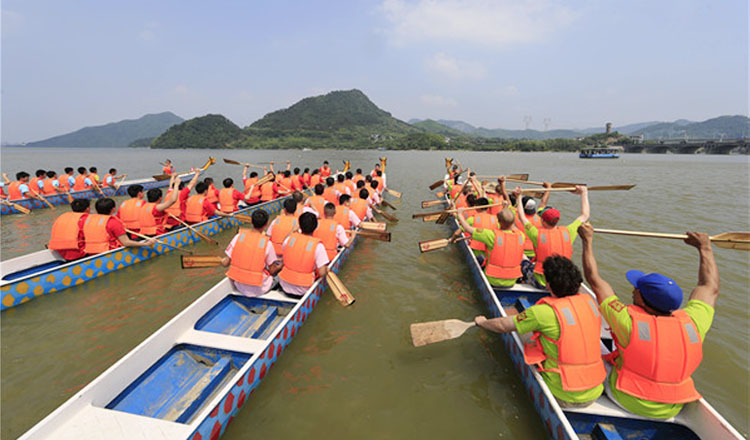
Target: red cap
551, 216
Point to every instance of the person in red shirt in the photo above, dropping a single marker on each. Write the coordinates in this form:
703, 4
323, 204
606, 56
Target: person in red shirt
306, 178
212, 194
153, 215
297, 184
230, 197
325, 170
103, 232
198, 208
60, 235
168, 168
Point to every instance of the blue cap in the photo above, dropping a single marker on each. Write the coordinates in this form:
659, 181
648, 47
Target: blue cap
659, 292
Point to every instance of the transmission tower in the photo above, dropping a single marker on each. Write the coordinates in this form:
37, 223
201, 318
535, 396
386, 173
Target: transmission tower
527, 121
547, 122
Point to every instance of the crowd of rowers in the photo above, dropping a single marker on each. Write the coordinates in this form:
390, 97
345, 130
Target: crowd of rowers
658, 343
48, 183
307, 233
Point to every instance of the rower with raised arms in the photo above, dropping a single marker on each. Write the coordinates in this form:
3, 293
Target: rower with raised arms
152, 219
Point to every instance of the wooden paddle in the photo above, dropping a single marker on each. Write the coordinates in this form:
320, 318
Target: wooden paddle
16, 206
590, 188
431, 203
451, 211
389, 217
122, 180
431, 218
424, 333
374, 226
727, 240
442, 218
46, 202
388, 204
440, 194
160, 177
437, 184
554, 185
377, 235
394, 193
69, 196
339, 290
199, 261
234, 162
146, 237
197, 232
433, 245
512, 177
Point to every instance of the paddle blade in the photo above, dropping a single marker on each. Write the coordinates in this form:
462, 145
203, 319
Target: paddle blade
389, 217
424, 333
732, 240
340, 291
431, 203
431, 217
199, 261
161, 177
433, 245
243, 218
389, 205
373, 226
566, 184
436, 184
611, 188
376, 235
440, 194
232, 162
394, 193
518, 176
443, 218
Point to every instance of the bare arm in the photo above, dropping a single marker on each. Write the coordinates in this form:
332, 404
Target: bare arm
194, 180
322, 271
161, 207
519, 207
707, 289
127, 242
5, 179
601, 288
464, 224
503, 190
545, 197
244, 173
504, 324
585, 209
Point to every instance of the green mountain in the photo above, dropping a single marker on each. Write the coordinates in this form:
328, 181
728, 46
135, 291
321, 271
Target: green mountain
728, 127
340, 118
435, 127
115, 134
210, 131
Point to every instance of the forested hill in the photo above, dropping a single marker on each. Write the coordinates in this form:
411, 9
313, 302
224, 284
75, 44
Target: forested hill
729, 127
210, 131
115, 134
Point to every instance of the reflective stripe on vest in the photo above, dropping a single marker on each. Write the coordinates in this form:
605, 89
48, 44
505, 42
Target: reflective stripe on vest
282, 226
130, 213
194, 209
248, 258
504, 261
299, 260
663, 353
65, 231
226, 200
317, 203
555, 241
326, 232
95, 235
483, 220
579, 361
455, 190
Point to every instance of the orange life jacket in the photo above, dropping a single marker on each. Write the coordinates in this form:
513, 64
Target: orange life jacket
299, 211
461, 202
95, 235
211, 195
579, 360
49, 188
65, 231
194, 209
330, 195
314, 180
248, 258
325, 171
80, 184
130, 213
455, 190
167, 170
534, 220
342, 216
296, 182
360, 206
380, 187
174, 209
341, 188
357, 178
505, 258
351, 185
326, 232
663, 353
106, 176
555, 241
317, 203
14, 192
282, 225
34, 185
267, 191
226, 200
299, 260
250, 181
483, 220
64, 184
149, 225
306, 179
286, 182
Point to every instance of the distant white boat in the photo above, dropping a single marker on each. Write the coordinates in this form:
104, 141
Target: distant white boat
306, 149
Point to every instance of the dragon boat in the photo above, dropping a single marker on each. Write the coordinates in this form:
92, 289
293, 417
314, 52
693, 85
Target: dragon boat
39, 273
603, 419
189, 379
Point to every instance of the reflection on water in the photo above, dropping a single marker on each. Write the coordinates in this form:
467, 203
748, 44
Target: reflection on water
352, 373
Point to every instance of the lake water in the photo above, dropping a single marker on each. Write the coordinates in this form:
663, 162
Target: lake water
352, 373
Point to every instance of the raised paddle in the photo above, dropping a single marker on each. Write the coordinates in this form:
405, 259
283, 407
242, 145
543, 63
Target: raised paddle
394, 193
571, 188
424, 333
377, 235
554, 185
197, 232
388, 204
451, 211
727, 240
442, 218
433, 245
199, 261
339, 290
160, 177
373, 226
512, 177
16, 206
146, 237
431, 203
234, 162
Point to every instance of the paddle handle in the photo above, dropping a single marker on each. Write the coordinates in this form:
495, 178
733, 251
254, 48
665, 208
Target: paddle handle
199, 233
530, 182
146, 237
641, 234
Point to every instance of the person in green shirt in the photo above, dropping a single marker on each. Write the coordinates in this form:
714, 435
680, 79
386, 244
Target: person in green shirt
661, 297
564, 280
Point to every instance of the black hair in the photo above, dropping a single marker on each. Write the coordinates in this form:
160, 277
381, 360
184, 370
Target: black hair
340, 178
512, 198
92, 169
290, 205
105, 206
361, 183
307, 170
82, 170
563, 276
153, 195
80, 205
68, 169
319, 189
368, 178
374, 184
330, 181
40, 173
315, 171
325, 162
349, 175
471, 200
287, 173
308, 222
329, 209
182, 185
208, 180
228, 182
344, 198
253, 174
260, 218
482, 201
133, 190
298, 196
51, 174
21, 174
379, 173
201, 187
363, 193
112, 171
359, 170
296, 171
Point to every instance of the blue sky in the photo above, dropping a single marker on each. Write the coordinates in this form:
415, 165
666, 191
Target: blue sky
578, 64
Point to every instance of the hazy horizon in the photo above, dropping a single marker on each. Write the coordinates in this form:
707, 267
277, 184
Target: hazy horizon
573, 65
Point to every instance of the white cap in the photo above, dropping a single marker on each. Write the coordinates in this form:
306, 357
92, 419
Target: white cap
530, 206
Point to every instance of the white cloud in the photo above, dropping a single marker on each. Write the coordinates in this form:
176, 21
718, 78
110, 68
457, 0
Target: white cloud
438, 101
448, 66
486, 22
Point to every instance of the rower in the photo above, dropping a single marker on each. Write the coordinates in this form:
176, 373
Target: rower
282, 225
66, 237
530, 209
350, 183
659, 345
93, 174
20, 188
380, 178
306, 178
344, 214
566, 328
304, 255
4, 186
330, 191
212, 194
229, 197
268, 191
68, 179
153, 215
375, 170
551, 239
103, 232
168, 168
315, 178
51, 185
340, 187
110, 178
300, 199
325, 170
297, 184
130, 210
178, 209
330, 232
361, 207
251, 258
36, 185
317, 202
359, 185
198, 208
375, 199
82, 180
358, 176
481, 219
